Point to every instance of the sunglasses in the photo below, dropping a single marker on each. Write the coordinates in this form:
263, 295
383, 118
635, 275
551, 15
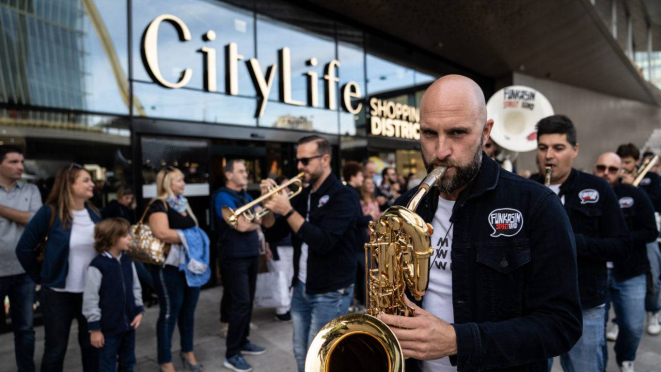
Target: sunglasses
602, 168
75, 165
306, 161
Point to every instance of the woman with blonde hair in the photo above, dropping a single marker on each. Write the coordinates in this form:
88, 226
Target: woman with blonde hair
67, 222
169, 212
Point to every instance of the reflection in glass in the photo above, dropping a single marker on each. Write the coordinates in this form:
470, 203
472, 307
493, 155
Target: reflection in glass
352, 56
229, 23
64, 56
195, 105
274, 35
283, 116
384, 76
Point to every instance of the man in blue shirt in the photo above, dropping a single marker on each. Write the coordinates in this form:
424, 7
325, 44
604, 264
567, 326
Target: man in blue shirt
239, 264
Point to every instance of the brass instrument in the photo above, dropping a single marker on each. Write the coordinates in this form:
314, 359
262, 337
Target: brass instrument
642, 171
548, 171
396, 257
231, 216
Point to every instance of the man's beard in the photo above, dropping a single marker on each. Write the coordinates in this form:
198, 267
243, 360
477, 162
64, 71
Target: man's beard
463, 174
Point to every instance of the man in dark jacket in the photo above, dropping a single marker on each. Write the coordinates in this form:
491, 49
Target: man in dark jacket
502, 292
651, 184
352, 172
626, 279
600, 232
322, 221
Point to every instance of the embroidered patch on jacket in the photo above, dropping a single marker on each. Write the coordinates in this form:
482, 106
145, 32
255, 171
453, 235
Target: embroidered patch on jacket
589, 196
505, 222
323, 200
626, 202
645, 181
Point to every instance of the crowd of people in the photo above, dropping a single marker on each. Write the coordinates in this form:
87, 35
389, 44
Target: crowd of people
520, 273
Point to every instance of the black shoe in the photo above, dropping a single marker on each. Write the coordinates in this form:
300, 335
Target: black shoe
283, 317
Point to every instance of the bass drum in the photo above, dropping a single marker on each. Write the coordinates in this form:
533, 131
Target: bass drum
515, 111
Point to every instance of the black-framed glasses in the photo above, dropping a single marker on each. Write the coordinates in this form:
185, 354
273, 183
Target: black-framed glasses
306, 161
75, 165
602, 168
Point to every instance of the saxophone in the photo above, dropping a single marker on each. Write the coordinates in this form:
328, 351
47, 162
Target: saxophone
396, 258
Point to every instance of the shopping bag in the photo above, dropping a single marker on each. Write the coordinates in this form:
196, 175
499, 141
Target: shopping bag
272, 288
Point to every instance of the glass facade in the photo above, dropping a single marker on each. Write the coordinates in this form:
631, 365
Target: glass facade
78, 81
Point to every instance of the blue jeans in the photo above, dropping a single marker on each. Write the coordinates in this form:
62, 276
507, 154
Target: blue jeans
240, 280
652, 298
587, 354
177, 302
59, 309
20, 289
628, 298
311, 312
118, 349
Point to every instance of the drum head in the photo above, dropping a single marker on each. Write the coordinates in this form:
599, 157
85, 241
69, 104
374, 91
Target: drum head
515, 111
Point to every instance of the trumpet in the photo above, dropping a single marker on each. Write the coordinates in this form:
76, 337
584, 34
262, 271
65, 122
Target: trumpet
644, 168
547, 175
231, 216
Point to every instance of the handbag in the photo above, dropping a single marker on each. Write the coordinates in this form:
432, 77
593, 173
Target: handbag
40, 249
272, 289
145, 247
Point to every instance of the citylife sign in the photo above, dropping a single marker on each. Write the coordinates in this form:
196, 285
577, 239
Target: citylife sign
392, 119
263, 81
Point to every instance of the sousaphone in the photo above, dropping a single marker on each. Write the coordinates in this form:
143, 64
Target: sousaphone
515, 111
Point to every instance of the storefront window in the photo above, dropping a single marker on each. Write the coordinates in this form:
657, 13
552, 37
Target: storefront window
65, 55
351, 54
308, 54
228, 24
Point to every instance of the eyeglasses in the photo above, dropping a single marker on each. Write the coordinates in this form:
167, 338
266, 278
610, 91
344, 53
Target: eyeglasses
602, 168
75, 165
306, 161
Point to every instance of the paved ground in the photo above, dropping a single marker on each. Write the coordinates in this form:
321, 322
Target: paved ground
276, 336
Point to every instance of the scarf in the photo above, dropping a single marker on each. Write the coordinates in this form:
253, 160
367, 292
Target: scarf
178, 203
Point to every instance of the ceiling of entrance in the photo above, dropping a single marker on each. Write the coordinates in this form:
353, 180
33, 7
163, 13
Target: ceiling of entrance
561, 40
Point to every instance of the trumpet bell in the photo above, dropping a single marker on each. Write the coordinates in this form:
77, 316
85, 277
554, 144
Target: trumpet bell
229, 216
355, 342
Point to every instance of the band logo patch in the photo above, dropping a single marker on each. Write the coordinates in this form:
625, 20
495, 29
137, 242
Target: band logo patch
626, 202
645, 181
589, 196
505, 222
322, 201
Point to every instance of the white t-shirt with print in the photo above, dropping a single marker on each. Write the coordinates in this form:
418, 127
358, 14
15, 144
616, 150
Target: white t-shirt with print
438, 299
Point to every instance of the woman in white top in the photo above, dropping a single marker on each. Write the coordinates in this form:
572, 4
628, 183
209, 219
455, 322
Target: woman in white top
67, 221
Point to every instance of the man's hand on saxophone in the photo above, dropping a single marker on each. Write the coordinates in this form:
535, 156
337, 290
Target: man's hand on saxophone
422, 336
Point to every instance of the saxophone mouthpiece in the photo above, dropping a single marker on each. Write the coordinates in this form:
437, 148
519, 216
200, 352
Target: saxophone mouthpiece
433, 177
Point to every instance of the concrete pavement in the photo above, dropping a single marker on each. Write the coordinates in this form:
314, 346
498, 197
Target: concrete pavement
275, 336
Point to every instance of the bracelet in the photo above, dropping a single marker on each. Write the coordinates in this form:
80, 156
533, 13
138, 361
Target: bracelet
288, 214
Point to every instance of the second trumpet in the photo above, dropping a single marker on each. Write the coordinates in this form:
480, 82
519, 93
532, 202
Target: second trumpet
231, 216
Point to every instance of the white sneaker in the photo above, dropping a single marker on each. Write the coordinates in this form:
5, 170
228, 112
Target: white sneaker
626, 367
653, 326
612, 334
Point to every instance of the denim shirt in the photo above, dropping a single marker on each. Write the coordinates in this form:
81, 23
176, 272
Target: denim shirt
234, 243
515, 297
600, 232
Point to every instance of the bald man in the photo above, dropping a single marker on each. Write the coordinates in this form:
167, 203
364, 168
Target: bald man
627, 282
502, 292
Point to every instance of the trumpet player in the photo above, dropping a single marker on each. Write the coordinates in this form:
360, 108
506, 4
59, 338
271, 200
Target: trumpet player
502, 289
239, 252
600, 233
652, 186
322, 222
626, 279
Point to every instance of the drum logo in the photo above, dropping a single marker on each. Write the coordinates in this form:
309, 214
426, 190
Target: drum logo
505, 222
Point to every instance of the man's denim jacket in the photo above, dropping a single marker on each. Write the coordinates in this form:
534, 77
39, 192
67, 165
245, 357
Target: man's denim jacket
514, 274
